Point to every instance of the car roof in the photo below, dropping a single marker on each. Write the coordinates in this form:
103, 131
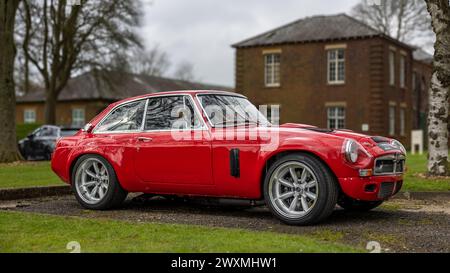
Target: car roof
189, 92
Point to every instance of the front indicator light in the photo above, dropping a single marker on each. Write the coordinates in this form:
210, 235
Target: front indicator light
365, 172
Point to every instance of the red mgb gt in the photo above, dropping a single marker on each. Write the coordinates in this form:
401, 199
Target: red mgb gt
217, 144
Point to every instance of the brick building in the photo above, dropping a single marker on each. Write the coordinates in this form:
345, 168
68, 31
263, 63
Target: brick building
87, 95
334, 71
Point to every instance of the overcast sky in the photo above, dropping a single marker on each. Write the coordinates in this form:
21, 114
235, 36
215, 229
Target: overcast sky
201, 31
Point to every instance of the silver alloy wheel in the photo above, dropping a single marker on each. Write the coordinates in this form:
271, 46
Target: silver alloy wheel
293, 189
92, 181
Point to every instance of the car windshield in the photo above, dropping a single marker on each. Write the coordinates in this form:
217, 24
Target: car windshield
68, 132
229, 110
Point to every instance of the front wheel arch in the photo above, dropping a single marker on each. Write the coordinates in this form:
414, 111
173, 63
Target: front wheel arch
271, 160
324, 199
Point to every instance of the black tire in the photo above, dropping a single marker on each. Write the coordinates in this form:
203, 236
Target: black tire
115, 194
327, 188
47, 154
350, 204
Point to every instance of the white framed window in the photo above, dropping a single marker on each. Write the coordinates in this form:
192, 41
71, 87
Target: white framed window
402, 121
402, 71
392, 67
391, 120
271, 112
29, 116
78, 117
336, 117
272, 69
336, 66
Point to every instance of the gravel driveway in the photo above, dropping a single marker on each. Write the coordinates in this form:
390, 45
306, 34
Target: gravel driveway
399, 225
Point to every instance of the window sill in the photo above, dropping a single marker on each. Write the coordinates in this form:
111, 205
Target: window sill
336, 83
272, 86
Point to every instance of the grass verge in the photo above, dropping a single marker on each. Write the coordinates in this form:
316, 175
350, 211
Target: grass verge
415, 179
25, 232
27, 174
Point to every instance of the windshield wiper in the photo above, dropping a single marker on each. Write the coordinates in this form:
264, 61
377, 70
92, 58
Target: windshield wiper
236, 124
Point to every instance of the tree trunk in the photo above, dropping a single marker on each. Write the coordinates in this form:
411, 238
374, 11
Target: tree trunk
50, 107
8, 142
439, 90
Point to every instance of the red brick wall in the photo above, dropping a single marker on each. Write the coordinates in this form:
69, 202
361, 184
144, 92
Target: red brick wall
304, 91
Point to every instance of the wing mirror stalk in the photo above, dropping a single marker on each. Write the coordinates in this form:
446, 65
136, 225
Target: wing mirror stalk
88, 128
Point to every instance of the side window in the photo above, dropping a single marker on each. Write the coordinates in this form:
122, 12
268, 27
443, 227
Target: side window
125, 118
174, 112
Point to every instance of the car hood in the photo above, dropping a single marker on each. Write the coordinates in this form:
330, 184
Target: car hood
375, 145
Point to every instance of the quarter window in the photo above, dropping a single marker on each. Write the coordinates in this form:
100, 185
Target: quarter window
125, 118
171, 113
78, 119
336, 66
272, 69
336, 117
29, 116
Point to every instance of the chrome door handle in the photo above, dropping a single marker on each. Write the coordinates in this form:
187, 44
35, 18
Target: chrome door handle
145, 139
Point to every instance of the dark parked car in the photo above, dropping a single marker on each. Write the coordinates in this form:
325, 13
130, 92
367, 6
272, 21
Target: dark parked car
41, 143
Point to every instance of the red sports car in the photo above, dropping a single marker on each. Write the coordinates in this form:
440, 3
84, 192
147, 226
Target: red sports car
217, 144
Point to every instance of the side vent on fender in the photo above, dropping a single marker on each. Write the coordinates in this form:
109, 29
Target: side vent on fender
234, 163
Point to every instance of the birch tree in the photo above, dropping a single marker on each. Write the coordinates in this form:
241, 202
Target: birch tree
8, 142
438, 115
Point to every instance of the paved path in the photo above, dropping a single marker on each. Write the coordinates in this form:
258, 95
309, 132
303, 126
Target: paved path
399, 225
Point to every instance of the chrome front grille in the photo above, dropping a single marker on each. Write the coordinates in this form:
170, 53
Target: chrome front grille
390, 164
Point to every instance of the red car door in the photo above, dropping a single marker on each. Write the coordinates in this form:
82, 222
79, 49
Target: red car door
170, 157
235, 158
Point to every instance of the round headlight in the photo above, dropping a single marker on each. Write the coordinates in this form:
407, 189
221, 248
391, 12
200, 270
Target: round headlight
351, 150
397, 144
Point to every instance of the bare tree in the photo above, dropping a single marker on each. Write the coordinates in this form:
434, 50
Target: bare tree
185, 71
8, 145
438, 115
404, 20
153, 62
60, 39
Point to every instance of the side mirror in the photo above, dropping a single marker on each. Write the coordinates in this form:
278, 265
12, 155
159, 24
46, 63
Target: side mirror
30, 136
88, 128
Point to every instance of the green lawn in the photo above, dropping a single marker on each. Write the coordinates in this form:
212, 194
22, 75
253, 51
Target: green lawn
24, 232
27, 174
415, 179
